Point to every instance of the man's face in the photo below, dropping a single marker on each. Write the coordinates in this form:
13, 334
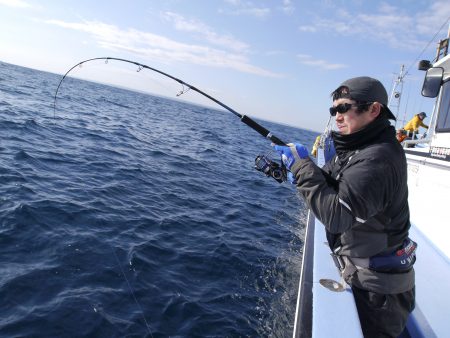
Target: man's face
351, 121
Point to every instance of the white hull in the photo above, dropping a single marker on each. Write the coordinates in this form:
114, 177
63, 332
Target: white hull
320, 311
429, 192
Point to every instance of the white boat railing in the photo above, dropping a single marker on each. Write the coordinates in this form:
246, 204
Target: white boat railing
405, 143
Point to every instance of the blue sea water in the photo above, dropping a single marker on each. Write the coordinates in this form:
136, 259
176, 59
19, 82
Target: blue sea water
132, 215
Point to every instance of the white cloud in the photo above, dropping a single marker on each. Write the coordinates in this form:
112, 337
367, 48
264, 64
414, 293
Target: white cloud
431, 20
275, 53
163, 49
204, 31
246, 8
311, 29
386, 8
15, 3
388, 25
254, 11
377, 27
233, 2
323, 64
288, 7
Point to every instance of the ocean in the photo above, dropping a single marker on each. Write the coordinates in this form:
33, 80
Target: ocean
132, 215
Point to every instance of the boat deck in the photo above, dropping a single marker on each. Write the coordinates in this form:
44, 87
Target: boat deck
430, 317
321, 311
327, 310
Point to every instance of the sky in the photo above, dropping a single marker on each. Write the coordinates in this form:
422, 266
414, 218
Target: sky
277, 60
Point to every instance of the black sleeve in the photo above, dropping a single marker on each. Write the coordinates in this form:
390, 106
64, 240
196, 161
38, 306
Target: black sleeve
360, 193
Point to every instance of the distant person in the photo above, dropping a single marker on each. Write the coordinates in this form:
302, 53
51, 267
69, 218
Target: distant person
401, 135
326, 144
361, 196
315, 146
412, 127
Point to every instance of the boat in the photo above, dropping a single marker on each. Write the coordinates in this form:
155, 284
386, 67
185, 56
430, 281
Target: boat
325, 304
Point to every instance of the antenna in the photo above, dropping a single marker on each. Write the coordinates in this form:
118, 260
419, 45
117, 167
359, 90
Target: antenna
396, 94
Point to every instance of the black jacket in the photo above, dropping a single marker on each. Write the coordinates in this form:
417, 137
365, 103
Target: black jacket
361, 196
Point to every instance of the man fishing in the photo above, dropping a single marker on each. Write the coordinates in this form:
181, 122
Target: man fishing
361, 197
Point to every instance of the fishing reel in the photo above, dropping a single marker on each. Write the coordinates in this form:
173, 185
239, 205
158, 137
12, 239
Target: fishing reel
271, 168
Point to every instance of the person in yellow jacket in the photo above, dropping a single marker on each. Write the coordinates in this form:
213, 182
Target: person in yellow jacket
412, 127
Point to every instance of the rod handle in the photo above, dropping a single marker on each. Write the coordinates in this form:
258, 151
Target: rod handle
261, 130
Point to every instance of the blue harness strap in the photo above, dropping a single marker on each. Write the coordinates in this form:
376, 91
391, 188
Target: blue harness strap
398, 261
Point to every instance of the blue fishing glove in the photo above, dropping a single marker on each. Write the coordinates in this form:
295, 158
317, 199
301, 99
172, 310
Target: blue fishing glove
292, 153
291, 178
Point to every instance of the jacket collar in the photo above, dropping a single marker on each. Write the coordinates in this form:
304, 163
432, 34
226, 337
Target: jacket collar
363, 137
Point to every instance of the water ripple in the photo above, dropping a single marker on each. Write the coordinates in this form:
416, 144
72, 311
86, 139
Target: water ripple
128, 213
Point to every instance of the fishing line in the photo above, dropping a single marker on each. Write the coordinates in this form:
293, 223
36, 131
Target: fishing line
270, 168
185, 87
131, 290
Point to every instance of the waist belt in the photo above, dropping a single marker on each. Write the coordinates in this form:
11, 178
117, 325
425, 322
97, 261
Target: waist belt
360, 263
345, 266
398, 261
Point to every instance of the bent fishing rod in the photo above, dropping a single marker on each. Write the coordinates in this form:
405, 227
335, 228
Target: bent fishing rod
262, 162
244, 118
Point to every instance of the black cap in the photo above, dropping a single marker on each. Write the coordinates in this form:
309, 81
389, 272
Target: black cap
367, 89
423, 114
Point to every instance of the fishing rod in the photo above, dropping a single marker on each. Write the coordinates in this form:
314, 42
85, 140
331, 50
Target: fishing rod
262, 162
244, 118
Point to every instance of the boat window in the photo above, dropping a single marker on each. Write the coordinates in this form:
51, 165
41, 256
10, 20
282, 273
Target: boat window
443, 122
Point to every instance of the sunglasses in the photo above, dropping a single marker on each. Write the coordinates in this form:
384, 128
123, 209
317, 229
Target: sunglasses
345, 107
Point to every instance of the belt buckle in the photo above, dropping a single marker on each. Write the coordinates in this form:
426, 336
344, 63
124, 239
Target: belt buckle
338, 261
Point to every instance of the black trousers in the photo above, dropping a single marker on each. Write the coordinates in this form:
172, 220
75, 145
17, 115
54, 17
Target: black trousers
383, 315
